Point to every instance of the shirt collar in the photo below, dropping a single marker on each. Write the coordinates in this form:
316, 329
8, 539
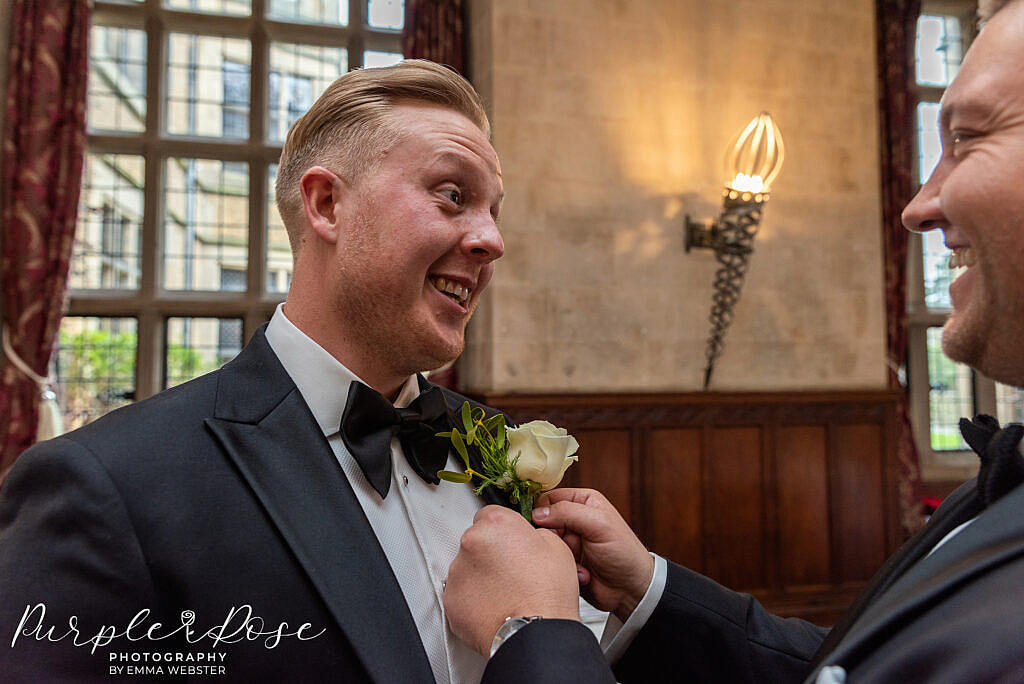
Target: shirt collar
321, 379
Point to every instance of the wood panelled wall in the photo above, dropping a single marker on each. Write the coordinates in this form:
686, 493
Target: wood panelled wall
791, 497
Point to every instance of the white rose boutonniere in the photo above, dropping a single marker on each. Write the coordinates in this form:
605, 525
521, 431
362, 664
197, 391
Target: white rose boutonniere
523, 461
543, 452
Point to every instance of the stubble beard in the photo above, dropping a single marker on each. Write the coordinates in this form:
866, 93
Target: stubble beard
393, 338
990, 343
391, 335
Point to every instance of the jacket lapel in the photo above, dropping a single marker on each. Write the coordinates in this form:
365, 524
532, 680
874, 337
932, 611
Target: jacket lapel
491, 495
993, 538
959, 507
267, 430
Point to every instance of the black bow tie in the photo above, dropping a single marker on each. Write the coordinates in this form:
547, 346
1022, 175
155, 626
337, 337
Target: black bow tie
1002, 465
370, 421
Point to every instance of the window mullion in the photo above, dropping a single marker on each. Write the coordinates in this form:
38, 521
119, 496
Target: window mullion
984, 395
256, 280
920, 385
149, 366
356, 20
187, 22
915, 274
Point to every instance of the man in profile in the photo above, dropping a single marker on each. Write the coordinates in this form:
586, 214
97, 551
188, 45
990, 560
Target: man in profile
279, 518
946, 607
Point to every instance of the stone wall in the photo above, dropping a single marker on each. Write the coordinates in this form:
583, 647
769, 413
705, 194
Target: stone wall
611, 119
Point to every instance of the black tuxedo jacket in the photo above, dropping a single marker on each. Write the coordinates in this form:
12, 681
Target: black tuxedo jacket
218, 494
956, 615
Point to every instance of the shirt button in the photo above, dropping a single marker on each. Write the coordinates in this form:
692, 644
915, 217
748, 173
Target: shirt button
405, 480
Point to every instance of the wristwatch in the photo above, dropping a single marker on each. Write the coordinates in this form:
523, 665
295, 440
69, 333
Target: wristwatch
510, 627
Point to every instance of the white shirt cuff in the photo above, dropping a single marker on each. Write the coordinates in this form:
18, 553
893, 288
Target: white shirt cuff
617, 635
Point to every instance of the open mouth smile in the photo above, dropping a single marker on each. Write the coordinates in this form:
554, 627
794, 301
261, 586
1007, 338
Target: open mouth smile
456, 292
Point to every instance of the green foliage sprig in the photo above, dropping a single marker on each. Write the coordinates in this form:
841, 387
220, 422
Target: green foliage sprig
488, 437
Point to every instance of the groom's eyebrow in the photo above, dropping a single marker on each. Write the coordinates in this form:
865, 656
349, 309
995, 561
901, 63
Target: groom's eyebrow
465, 159
460, 161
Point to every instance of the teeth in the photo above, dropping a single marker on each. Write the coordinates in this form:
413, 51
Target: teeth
962, 256
450, 287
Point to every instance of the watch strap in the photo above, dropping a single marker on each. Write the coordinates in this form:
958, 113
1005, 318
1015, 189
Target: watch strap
510, 627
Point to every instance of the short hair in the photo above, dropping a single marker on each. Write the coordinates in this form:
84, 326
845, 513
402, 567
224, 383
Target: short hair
349, 128
988, 8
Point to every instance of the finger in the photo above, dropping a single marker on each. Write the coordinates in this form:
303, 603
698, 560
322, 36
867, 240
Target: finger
554, 541
575, 544
487, 512
565, 517
564, 494
549, 534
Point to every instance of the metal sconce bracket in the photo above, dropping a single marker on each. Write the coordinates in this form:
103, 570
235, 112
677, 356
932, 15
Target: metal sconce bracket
731, 238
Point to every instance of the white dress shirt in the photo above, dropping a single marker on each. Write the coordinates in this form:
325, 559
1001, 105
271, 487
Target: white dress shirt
418, 525
617, 635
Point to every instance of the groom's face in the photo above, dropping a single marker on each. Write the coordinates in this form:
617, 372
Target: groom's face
419, 240
976, 197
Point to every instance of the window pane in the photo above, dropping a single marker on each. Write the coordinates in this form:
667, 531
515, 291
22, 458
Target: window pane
117, 79
929, 142
208, 86
279, 253
199, 345
94, 367
310, 11
373, 58
388, 14
939, 49
1009, 404
937, 273
951, 396
205, 224
106, 248
298, 74
242, 7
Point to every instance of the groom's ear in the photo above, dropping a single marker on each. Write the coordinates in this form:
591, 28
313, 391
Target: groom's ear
323, 192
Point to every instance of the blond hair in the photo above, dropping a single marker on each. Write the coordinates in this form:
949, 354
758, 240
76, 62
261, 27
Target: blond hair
988, 8
349, 128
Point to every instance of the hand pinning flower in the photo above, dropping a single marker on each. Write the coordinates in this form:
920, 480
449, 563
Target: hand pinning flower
523, 461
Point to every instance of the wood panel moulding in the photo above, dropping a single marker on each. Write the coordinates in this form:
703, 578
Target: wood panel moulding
791, 496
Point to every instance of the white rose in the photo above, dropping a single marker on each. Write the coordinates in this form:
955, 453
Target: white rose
544, 451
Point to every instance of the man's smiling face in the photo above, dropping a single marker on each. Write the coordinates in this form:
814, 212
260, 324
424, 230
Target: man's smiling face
418, 240
976, 197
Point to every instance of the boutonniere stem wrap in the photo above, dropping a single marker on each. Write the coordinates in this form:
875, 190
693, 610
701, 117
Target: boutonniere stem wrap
523, 461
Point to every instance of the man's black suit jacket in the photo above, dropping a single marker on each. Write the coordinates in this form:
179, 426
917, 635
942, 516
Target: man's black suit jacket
956, 615
209, 497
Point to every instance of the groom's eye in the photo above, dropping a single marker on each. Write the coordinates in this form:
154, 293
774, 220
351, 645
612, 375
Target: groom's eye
454, 196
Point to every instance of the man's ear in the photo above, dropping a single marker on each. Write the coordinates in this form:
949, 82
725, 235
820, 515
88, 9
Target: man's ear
321, 191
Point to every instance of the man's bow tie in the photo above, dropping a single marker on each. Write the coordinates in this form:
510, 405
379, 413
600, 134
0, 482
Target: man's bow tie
1002, 465
370, 421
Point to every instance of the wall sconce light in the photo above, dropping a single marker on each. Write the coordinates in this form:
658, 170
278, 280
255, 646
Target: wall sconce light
752, 163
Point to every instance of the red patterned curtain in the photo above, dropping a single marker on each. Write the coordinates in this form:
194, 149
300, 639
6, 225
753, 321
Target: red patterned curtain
433, 30
896, 23
41, 171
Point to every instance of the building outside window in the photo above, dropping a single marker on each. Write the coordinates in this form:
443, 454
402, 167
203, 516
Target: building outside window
180, 253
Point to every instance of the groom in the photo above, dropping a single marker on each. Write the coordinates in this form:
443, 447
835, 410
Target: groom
279, 519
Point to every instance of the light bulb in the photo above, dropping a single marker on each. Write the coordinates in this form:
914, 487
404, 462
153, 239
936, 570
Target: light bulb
755, 157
